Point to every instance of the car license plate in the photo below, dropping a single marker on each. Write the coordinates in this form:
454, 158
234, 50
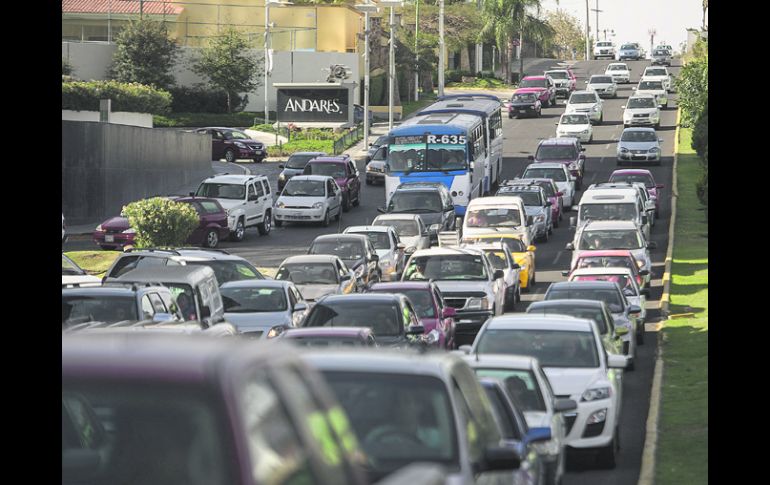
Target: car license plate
109, 238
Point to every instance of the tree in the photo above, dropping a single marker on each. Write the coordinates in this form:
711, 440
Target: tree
568, 34
66, 67
227, 65
144, 54
161, 222
693, 84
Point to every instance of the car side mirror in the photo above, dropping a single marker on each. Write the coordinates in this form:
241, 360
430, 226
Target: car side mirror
401, 246
499, 459
465, 348
582, 149
498, 274
569, 247
659, 186
634, 310
535, 435
531, 248
515, 266
253, 197
564, 405
381, 210
530, 220
644, 272
615, 361
530, 157
620, 331
205, 311
415, 330
565, 272
448, 312
652, 245
623, 107
192, 194
162, 317
450, 207
345, 277
573, 222
548, 203
556, 124
660, 140
300, 307
375, 257
582, 156
559, 194
281, 165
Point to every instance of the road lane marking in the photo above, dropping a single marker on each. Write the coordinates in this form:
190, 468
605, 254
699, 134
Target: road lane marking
558, 255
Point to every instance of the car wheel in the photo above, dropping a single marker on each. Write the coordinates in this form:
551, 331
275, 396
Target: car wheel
510, 116
510, 301
337, 217
325, 222
657, 125
607, 457
230, 156
212, 238
540, 112
518, 293
278, 223
239, 233
357, 202
266, 224
345, 203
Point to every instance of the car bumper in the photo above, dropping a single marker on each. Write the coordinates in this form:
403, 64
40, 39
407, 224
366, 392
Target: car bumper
522, 110
524, 277
620, 79
563, 91
641, 122
119, 240
299, 215
639, 157
375, 177
468, 324
249, 153
583, 137
582, 435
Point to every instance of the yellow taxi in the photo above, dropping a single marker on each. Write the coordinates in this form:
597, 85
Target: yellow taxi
524, 255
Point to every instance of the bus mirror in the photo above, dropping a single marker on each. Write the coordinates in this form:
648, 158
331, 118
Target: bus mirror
471, 166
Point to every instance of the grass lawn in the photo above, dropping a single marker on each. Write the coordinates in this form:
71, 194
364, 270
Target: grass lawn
410, 107
682, 454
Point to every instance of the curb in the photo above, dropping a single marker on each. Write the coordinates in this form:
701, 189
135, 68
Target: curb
647, 472
246, 170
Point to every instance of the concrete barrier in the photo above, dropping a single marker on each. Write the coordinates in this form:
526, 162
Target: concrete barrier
116, 117
105, 166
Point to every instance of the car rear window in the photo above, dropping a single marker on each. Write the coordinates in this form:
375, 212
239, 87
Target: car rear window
384, 318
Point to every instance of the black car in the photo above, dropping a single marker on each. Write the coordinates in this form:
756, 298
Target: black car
233, 145
430, 200
391, 317
380, 141
355, 250
524, 104
295, 165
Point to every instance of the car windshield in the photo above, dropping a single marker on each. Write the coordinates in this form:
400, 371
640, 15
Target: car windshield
620, 239
638, 136
317, 341
299, 161
514, 244
421, 300
308, 273
641, 103
305, 188
556, 174
144, 433
651, 85
657, 71
493, 217
521, 385
384, 318
574, 119
533, 83
601, 80
529, 197
609, 296
644, 178
403, 227
556, 152
380, 141
345, 250
380, 240
98, 308
253, 299
411, 157
604, 44
236, 135
415, 202
399, 418
524, 98
222, 191
230, 270
590, 313
557, 74
582, 98
469, 267
553, 348
497, 258
624, 282
69, 268
608, 212
628, 46
617, 68
334, 170
605, 262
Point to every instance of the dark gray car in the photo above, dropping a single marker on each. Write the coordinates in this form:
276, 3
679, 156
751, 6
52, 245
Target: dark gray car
295, 165
431, 201
263, 308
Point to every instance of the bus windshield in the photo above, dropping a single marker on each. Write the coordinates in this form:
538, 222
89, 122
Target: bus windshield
440, 157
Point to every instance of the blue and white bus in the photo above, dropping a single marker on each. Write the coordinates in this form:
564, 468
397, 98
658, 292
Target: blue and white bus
489, 108
443, 147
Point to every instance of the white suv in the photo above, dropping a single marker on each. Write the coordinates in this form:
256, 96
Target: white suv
641, 110
587, 102
658, 73
604, 49
246, 199
619, 71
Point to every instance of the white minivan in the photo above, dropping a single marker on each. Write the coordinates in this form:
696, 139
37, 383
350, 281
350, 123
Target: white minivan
600, 204
506, 214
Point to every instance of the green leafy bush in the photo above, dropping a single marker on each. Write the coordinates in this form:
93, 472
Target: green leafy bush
66, 67
199, 99
301, 146
134, 97
195, 120
161, 222
692, 87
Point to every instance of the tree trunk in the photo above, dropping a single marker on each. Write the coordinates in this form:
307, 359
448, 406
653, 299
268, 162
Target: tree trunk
506, 64
465, 59
426, 80
229, 106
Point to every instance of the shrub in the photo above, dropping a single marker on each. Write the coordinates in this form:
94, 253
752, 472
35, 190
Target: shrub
700, 135
85, 96
66, 67
301, 146
144, 53
702, 188
197, 99
161, 222
195, 120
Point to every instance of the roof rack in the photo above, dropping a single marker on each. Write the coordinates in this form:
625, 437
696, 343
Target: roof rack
196, 248
153, 250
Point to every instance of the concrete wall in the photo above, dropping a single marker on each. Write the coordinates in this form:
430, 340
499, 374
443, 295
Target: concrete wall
116, 117
105, 166
91, 61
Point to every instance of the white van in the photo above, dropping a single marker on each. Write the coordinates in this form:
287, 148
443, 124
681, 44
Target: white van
506, 214
603, 204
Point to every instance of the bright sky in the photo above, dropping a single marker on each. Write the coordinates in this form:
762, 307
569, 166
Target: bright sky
632, 19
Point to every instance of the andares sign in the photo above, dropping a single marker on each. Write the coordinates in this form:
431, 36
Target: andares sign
303, 104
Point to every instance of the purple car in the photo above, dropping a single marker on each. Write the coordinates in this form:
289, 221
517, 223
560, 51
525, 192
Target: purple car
233, 145
327, 337
564, 150
551, 192
428, 302
116, 233
148, 408
632, 175
343, 170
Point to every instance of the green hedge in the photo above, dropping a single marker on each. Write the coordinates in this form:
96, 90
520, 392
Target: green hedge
134, 97
195, 120
301, 146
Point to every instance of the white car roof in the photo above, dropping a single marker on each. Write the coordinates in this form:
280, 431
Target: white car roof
311, 177
533, 321
506, 201
385, 362
447, 251
352, 229
582, 92
642, 95
618, 64
311, 258
546, 165
611, 225
495, 245
233, 178
606, 195
607, 270
396, 217
502, 361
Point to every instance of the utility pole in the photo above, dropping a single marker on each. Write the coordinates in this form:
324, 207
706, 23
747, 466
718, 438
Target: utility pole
597, 19
652, 33
417, 52
588, 53
441, 48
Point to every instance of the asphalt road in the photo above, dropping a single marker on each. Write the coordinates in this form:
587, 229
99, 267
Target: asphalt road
521, 138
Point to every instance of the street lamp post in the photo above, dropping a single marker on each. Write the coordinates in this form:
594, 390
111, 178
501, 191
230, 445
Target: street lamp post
392, 56
441, 48
268, 65
367, 8
417, 52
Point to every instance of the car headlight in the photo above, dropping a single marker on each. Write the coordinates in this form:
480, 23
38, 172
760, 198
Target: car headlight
595, 394
597, 417
282, 176
654, 150
595, 108
318, 205
623, 150
99, 228
280, 205
239, 144
435, 227
410, 250
130, 230
584, 132
275, 331
431, 337
359, 272
478, 303
540, 218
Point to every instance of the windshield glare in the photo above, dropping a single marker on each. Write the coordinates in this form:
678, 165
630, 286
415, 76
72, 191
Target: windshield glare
384, 318
254, 300
610, 297
447, 267
574, 120
641, 103
308, 274
594, 314
380, 240
608, 212
627, 239
617, 68
601, 80
555, 174
222, 191
556, 152
624, 282
521, 385
102, 308
651, 85
582, 98
345, 250
638, 136
415, 202
524, 98
493, 217
533, 83
299, 161
497, 258
552, 348
236, 135
411, 158
334, 170
305, 188
655, 72
605, 262
634, 177
403, 227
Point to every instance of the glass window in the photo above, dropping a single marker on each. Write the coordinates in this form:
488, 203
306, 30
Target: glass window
157, 303
608, 212
266, 185
253, 299
304, 188
451, 267
232, 270
497, 258
574, 119
222, 191
334, 170
258, 186
308, 273
415, 202
380, 240
345, 250
639, 136
98, 308
591, 313
210, 207
601, 80
298, 162
556, 152
581, 98
384, 318
551, 347
533, 83
593, 240
502, 413
557, 174
412, 157
651, 85
493, 217
403, 227
611, 297
521, 386
635, 103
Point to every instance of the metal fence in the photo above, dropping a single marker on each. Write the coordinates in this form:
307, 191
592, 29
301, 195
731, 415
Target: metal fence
348, 139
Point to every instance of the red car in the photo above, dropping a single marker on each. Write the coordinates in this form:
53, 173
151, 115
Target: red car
611, 258
233, 145
116, 233
542, 85
343, 170
632, 175
435, 317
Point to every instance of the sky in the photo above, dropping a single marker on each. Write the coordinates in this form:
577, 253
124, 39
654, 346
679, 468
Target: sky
631, 19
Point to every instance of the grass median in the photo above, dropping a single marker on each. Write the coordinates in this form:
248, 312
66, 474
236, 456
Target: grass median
682, 454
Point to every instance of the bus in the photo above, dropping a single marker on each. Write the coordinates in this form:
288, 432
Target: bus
488, 107
444, 147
